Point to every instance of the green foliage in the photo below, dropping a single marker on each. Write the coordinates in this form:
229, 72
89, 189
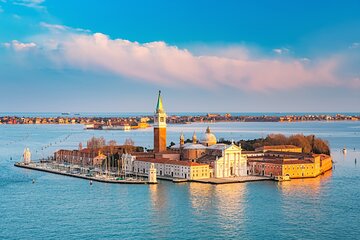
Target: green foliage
309, 144
188, 141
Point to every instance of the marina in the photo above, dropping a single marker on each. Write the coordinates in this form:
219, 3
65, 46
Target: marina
133, 179
104, 179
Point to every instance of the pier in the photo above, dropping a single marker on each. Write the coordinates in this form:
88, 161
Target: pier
38, 167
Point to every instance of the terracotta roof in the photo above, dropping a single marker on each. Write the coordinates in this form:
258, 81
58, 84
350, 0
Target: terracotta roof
170, 152
281, 160
296, 154
168, 161
143, 154
206, 158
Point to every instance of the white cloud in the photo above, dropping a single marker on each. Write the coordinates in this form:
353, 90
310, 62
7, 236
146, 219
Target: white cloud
160, 63
19, 46
305, 60
281, 50
30, 3
59, 28
355, 45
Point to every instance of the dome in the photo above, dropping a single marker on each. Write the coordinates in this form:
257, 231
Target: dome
209, 138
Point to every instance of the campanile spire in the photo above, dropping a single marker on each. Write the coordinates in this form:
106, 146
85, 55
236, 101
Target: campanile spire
159, 126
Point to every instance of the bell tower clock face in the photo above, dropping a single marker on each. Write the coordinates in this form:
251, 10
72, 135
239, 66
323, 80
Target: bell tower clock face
160, 120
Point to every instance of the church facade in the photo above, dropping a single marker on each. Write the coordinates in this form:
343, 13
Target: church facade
231, 163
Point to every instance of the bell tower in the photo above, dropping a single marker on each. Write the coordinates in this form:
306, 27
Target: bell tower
159, 127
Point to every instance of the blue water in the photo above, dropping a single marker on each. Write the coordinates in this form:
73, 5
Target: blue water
59, 207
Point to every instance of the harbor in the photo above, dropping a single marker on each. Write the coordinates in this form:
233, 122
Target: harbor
83, 173
56, 169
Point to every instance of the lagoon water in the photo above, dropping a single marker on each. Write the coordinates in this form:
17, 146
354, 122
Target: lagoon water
59, 207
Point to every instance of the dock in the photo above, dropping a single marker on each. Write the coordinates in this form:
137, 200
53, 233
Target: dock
95, 179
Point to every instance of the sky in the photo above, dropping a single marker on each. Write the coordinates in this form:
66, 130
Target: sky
205, 55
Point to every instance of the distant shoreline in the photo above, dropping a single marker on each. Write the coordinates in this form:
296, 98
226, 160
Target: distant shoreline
98, 122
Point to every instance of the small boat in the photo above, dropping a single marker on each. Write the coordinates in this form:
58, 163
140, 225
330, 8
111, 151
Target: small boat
282, 178
65, 113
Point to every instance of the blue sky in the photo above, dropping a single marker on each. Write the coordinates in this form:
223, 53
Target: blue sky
208, 56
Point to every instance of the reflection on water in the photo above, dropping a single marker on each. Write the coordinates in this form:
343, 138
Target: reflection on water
225, 204
200, 196
230, 199
159, 204
306, 186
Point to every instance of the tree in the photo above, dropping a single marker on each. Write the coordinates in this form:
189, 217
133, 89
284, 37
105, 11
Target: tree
276, 139
309, 143
188, 140
96, 143
321, 146
128, 145
171, 144
129, 142
112, 145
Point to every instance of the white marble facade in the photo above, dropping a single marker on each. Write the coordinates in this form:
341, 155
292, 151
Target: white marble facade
231, 164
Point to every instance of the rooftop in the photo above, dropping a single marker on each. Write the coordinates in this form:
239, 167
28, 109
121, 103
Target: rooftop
168, 161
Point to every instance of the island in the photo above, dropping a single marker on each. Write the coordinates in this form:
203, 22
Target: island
207, 160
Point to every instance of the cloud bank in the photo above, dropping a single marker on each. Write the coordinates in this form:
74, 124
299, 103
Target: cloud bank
37, 4
19, 46
160, 63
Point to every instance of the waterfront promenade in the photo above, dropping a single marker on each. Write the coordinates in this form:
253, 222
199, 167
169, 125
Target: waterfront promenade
140, 178
45, 168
